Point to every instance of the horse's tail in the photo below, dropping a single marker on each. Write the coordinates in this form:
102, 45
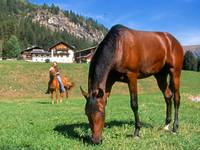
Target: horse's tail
67, 83
72, 85
178, 53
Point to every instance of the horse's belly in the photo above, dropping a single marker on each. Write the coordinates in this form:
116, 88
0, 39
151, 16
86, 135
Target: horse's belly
150, 69
142, 76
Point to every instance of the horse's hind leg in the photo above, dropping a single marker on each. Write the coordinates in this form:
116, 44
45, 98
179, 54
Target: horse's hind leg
61, 97
175, 85
164, 87
66, 94
132, 83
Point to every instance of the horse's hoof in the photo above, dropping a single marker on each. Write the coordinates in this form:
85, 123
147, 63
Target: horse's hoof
136, 137
174, 133
166, 128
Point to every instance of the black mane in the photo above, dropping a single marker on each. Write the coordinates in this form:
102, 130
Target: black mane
103, 57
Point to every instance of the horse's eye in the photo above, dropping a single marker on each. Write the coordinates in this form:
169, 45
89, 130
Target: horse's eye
93, 94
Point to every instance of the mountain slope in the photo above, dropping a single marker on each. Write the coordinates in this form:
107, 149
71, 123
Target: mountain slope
60, 22
43, 25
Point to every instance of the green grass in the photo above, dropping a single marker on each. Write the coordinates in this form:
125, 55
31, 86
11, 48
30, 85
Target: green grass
28, 120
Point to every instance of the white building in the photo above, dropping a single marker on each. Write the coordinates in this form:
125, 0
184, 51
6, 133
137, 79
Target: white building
40, 56
60, 52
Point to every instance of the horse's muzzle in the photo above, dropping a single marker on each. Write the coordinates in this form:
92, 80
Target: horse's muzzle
96, 140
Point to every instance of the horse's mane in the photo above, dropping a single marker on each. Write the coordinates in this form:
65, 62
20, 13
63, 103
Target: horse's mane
103, 58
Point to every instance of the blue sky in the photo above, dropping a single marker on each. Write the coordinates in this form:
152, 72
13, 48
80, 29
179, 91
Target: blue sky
179, 17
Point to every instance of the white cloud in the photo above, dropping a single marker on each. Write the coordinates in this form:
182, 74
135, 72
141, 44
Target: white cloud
134, 24
94, 16
158, 16
122, 18
189, 37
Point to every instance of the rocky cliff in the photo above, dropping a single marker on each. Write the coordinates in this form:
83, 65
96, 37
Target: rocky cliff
60, 22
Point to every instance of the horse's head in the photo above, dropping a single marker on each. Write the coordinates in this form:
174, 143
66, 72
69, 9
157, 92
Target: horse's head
95, 111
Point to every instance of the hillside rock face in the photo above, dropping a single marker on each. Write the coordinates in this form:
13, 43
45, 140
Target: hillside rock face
59, 22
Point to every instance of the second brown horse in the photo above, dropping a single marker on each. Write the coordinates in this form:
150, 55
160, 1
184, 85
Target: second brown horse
127, 55
54, 86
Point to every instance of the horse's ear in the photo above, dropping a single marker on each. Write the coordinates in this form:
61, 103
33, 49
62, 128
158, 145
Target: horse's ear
100, 93
85, 94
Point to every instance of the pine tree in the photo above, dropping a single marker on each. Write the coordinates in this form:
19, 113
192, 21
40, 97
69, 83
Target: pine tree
11, 48
190, 61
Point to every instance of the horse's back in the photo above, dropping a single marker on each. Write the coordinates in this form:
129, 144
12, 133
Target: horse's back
159, 49
147, 52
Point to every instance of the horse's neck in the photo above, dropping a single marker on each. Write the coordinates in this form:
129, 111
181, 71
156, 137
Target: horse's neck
101, 64
98, 80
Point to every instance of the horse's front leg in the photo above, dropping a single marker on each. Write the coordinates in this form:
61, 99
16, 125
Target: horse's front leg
57, 96
52, 100
132, 83
167, 92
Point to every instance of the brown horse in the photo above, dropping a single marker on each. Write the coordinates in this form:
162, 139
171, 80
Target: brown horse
54, 86
127, 55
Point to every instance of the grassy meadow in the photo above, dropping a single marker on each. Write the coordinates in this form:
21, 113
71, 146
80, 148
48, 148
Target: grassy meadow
28, 120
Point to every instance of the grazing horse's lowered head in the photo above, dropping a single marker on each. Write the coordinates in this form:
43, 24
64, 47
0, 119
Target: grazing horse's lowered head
98, 88
126, 55
95, 111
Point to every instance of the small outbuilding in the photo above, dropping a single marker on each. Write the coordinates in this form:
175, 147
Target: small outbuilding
85, 55
27, 53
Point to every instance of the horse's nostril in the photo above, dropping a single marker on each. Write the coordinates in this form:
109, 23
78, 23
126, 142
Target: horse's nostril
96, 141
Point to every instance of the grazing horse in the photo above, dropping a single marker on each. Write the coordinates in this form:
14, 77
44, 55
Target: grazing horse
127, 55
54, 86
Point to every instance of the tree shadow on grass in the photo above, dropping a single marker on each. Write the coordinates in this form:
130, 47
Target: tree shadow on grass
70, 130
